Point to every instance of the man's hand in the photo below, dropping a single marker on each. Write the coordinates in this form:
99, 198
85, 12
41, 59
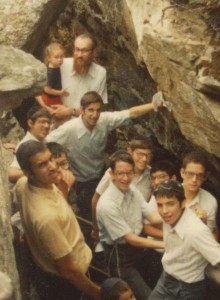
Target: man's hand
64, 93
201, 214
68, 177
159, 101
95, 236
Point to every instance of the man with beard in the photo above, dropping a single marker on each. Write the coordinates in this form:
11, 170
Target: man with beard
79, 75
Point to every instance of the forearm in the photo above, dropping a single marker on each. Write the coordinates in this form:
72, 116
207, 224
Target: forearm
53, 92
140, 110
73, 274
142, 242
95, 200
153, 231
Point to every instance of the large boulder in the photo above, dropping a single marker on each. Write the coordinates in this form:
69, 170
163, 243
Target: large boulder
21, 76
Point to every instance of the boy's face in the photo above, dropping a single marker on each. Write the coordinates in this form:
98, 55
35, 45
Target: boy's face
44, 170
40, 127
62, 161
55, 58
170, 209
159, 177
122, 175
91, 114
141, 157
193, 176
127, 295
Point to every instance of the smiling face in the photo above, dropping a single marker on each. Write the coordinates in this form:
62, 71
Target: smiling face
43, 170
193, 176
159, 177
91, 114
170, 209
122, 175
40, 127
141, 157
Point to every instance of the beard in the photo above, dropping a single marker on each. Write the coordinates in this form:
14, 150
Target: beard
81, 66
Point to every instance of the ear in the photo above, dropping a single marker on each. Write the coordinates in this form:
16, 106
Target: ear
30, 123
182, 172
129, 150
111, 173
81, 110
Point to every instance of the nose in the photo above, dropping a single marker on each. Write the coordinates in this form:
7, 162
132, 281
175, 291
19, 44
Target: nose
164, 209
52, 165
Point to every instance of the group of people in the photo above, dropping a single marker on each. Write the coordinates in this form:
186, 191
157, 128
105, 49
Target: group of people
140, 213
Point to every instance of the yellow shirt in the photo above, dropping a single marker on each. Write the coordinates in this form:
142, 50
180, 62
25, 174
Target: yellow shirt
50, 226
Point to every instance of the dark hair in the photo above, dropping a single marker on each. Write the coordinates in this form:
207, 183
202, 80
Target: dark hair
118, 156
112, 288
89, 98
26, 150
196, 157
89, 36
36, 112
169, 189
140, 142
56, 149
164, 166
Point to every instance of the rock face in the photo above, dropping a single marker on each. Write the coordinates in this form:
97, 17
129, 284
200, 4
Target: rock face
21, 76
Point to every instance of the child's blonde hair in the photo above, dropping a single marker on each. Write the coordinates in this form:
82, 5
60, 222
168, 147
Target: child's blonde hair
50, 48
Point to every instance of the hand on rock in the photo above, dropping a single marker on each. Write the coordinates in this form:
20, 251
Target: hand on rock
159, 101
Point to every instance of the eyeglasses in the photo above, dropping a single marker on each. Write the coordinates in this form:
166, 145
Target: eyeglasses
122, 174
159, 177
142, 155
198, 176
63, 164
82, 50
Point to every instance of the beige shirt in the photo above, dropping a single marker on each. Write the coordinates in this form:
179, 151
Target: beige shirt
141, 182
189, 246
77, 85
50, 227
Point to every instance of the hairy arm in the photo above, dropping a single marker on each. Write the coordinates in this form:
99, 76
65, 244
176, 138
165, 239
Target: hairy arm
141, 242
153, 231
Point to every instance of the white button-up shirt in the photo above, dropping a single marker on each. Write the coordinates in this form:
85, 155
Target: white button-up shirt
86, 148
189, 246
120, 213
28, 137
77, 85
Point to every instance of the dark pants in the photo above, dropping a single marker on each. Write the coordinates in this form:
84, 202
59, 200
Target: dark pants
124, 261
84, 194
154, 267
169, 288
53, 287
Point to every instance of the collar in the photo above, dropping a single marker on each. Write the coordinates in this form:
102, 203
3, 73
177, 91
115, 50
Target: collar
81, 128
91, 72
118, 195
179, 228
31, 136
195, 200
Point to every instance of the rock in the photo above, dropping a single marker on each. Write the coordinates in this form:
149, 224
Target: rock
24, 24
21, 76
